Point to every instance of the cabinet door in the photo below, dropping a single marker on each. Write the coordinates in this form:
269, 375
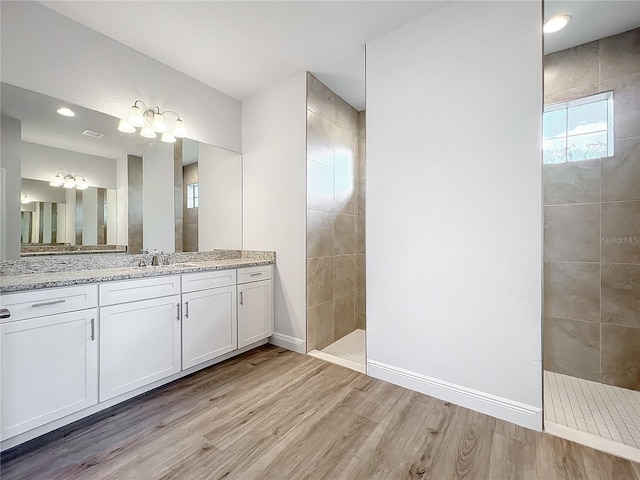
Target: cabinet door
209, 325
139, 344
255, 312
49, 369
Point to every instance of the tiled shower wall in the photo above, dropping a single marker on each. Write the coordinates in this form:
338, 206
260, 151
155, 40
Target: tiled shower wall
592, 224
335, 217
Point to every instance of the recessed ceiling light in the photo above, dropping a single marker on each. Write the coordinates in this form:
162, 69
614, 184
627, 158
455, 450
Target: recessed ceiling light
66, 112
556, 23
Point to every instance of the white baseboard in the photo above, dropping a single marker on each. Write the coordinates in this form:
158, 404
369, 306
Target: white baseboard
593, 441
288, 342
515, 412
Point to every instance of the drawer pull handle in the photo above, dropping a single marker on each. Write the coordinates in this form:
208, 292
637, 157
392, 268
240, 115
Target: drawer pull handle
241, 299
52, 302
256, 274
5, 313
186, 306
178, 315
93, 329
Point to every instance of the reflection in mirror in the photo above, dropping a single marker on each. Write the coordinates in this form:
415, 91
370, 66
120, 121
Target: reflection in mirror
112, 189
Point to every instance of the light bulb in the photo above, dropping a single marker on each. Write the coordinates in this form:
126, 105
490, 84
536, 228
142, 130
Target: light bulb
66, 112
168, 138
82, 184
126, 127
69, 182
147, 132
135, 117
56, 182
556, 23
179, 130
158, 123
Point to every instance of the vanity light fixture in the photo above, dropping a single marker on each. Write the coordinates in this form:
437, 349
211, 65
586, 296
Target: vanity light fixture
58, 181
69, 181
151, 121
557, 23
66, 112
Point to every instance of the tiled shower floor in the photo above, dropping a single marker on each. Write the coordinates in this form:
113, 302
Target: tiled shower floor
602, 416
349, 351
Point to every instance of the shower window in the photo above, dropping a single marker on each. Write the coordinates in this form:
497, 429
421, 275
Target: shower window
192, 195
580, 129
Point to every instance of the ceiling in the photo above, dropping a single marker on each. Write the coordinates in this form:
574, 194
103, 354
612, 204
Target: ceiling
243, 47
42, 125
591, 20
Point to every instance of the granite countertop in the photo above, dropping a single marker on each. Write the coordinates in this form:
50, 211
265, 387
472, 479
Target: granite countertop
17, 283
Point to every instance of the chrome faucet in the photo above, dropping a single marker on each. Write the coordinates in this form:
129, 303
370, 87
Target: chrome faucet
154, 260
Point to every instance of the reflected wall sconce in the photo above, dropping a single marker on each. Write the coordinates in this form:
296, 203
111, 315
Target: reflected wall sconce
151, 122
69, 181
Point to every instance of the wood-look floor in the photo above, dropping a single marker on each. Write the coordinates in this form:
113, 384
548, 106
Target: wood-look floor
274, 414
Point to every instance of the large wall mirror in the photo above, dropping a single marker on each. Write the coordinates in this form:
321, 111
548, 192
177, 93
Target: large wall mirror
88, 187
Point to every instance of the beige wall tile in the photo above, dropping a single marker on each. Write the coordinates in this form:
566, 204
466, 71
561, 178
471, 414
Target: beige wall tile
571, 68
571, 233
572, 347
621, 295
344, 276
361, 310
362, 158
346, 193
320, 99
570, 93
319, 233
621, 173
319, 281
320, 140
621, 356
572, 290
361, 237
620, 54
344, 316
626, 104
346, 153
344, 235
361, 266
320, 184
571, 182
621, 232
362, 196
320, 326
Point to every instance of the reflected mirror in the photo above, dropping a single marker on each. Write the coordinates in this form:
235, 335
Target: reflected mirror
84, 186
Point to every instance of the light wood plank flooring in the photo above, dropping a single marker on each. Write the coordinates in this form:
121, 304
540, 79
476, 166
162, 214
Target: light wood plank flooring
274, 414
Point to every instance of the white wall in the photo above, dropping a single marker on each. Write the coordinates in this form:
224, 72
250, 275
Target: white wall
40, 162
71, 62
10, 223
158, 209
220, 198
274, 147
454, 113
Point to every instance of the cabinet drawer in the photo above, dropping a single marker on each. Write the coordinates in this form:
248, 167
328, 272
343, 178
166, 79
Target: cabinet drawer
193, 282
143, 289
254, 274
49, 301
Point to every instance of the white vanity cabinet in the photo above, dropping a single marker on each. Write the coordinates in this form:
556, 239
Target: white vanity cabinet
255, 304
209, 317
139, 339
49, 365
